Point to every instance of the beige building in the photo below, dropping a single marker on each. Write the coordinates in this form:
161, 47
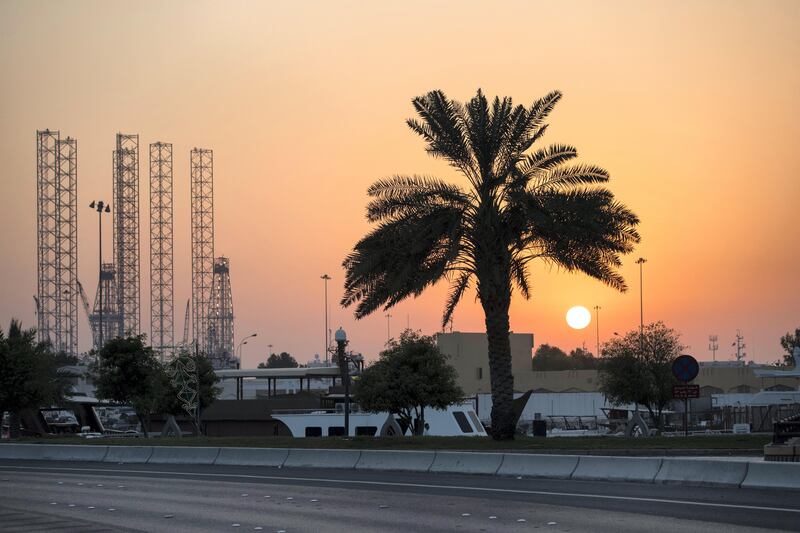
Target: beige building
468, 354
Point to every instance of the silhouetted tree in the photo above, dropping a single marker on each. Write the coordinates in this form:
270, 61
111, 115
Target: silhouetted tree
410, 375
549, 358
790, 342
284, 360
638, 368
29, 377
518, 207
582, 359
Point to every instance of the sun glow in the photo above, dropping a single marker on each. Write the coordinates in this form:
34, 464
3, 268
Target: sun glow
578, 317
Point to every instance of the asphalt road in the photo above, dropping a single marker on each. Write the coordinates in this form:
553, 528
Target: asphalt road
94, 497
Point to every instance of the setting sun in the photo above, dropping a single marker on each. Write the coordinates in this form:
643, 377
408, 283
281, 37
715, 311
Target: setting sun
578, 317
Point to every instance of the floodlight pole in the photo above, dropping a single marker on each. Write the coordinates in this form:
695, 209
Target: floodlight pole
597, 325
341, 341
325, 279
641, 261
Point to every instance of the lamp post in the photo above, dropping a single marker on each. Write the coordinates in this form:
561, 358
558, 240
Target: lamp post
641, 261
242, 343
597, 325
325, 279
101, 207
344, 367
388, 330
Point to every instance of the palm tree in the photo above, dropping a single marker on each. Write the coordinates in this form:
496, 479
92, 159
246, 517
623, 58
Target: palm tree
519, 206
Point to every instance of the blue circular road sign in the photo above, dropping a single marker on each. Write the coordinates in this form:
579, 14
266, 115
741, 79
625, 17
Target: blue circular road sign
685, 368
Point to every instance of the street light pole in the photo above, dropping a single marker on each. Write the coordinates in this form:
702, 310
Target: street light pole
344, 368
388, 330
641, 261
241, 343
325, 279
597, 324
101, 208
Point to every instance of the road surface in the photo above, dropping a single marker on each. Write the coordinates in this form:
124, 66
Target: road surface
94, 497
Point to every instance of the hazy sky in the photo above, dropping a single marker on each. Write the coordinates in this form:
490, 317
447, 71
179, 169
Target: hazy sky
692, 106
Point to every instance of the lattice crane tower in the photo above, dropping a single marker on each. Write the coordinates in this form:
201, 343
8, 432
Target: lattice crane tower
162, 320
111, 318
220, 317
202, 212
125, 212
57, 240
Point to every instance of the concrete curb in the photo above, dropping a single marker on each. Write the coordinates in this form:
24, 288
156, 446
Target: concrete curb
252, 456
311, 458
641, 469
703, 472
545, 466
772, 476
404, 461
128, 454
183, 455
466, 463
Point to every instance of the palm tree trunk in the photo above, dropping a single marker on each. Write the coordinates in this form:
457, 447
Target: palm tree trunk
496, 302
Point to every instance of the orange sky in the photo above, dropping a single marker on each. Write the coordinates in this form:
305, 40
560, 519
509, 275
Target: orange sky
692, 106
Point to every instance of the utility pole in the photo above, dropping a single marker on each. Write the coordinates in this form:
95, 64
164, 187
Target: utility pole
388, 330
597, 324
325, 279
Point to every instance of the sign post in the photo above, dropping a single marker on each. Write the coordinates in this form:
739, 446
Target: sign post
685, 368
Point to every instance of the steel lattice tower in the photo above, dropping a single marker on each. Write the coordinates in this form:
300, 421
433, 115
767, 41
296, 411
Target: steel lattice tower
57, 245
220, 317
162, 324
67, 322
111, 318
126, 232
47, 232
202, 200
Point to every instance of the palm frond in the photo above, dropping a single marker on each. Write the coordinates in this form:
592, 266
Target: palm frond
563, 177
580, 230
457, 290
401, 258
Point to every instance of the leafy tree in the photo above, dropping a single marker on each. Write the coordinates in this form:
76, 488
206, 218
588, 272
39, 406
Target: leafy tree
127, 371
549, 358
284, 360
638, 368
789, 342
518, 206
29, 376
207, 379
582, 359
410, 375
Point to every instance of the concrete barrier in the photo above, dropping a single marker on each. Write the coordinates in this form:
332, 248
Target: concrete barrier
22, 451
702, 472
252, 456
405, 461
532, 465
128, 454
300, 458
772, 476
467, 463
73, 452
188, 455
598, 467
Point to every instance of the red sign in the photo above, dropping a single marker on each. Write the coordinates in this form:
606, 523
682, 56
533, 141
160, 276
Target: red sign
682, 392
